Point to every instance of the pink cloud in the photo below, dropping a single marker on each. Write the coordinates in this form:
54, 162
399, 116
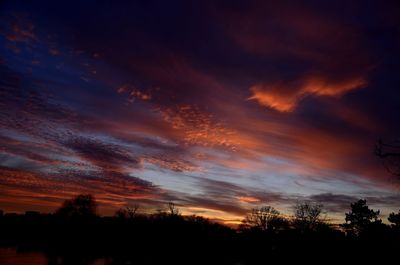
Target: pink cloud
285, 96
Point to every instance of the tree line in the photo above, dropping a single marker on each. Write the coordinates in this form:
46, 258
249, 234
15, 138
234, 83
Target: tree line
76, 234
308, 217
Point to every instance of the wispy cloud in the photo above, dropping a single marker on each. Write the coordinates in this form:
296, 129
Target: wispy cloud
285, 97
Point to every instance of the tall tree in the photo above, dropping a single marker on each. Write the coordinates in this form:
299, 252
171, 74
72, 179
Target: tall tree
360, 218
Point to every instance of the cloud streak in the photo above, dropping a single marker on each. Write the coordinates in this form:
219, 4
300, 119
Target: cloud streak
285, 97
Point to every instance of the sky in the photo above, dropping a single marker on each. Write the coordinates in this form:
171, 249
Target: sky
216, 106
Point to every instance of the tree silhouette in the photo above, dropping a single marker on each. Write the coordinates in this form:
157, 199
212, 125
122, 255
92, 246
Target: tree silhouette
264, 218
128, 212
169, 212
83, 205
172, 209
394, 218
360, 218
307, 216
83, 240
389, 153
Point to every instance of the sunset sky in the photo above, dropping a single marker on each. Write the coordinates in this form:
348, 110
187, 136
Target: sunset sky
216, 106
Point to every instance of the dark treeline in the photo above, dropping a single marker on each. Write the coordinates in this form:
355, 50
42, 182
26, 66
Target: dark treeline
75, 234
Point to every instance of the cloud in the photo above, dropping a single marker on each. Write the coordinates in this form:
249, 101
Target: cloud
46, 191
285, 97
336, 203
198, 127
231, 198
134, 93
297, 51
22, 29
247, 199
340, 203
19, 33
171, 162
104, 155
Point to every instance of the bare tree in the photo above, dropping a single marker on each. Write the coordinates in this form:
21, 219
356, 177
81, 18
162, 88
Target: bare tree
307, 215
389, 153
172, 209
128, 212
264, 218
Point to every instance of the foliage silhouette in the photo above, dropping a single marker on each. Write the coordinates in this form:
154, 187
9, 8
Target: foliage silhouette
360, 218
394, 218
76, 235
83, 205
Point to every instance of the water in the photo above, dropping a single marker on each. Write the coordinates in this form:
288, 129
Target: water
13, 256
10, 256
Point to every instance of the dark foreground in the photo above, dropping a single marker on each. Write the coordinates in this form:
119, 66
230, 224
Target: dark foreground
174, 239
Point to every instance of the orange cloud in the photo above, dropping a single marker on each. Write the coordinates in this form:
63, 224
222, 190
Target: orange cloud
247, 199
171, 163
198, 127
134, 93
44, 192
285, 97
